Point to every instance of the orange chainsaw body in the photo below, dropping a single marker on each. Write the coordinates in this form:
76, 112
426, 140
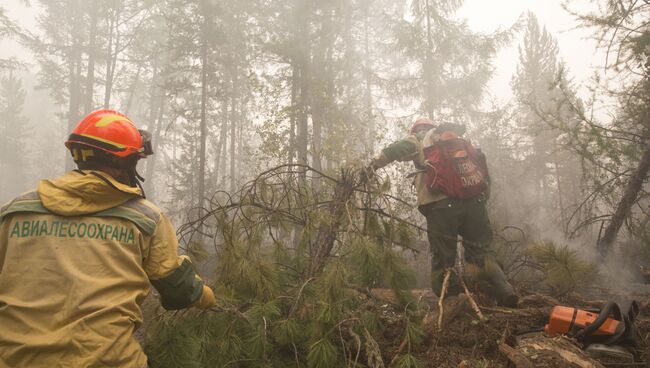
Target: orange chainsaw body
566, 320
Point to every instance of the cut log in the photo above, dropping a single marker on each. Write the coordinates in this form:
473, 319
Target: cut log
544, 351
517, 358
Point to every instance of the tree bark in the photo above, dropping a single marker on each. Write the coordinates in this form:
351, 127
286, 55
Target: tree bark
133, 89
370, 139
156, 113
558, 178
90, 73
203, 122
319, 95
337, 215
111, 60
233, 132
428, 68
291, 147
74, 70
630, 195
223, 133
303, 61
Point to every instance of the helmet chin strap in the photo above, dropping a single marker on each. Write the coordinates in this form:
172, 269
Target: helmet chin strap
136, 179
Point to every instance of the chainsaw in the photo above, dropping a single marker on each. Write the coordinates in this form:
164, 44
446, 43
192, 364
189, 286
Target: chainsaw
606, 333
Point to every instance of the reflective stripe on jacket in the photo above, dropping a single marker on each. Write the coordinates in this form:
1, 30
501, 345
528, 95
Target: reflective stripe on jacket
77, 258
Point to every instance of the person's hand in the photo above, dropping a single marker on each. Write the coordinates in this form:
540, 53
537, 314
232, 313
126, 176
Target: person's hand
207, 299
366, 173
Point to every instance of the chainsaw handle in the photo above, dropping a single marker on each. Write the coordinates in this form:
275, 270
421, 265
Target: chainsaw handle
609, 308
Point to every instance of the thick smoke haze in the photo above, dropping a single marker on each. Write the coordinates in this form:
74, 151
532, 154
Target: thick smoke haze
229, 90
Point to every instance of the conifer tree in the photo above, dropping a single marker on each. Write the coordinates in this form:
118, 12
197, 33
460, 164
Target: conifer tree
619, 149
8, 29
14, 131
540, 86
444, 65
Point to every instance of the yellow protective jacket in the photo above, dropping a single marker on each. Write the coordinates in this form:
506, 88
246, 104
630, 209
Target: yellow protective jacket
77, 258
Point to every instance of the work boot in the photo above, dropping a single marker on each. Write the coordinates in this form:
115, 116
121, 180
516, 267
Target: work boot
502, 291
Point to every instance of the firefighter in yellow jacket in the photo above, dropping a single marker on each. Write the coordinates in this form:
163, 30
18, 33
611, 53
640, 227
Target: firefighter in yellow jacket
78, 256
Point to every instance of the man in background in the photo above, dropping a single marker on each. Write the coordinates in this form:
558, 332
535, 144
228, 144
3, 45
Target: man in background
446, 216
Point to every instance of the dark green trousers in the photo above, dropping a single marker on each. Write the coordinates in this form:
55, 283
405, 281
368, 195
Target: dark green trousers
448, 218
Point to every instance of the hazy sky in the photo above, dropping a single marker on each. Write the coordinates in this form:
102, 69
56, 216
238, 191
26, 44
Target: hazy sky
576, 49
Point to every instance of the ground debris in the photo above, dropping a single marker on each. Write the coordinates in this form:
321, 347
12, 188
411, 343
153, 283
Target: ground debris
554, 352
465, 341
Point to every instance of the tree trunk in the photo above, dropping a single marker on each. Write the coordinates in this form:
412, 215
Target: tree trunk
156, 113
203, 122
156, 142
111, 60
74, 69
630, 195
233, 130
321, 94
240, 142
291, 147
90, 74
133, 89
428, 69
223, 132
370, 119
558, 178
302, 38
228, 117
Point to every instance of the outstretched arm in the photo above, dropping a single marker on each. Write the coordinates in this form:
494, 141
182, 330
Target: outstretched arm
402, 150
172, 275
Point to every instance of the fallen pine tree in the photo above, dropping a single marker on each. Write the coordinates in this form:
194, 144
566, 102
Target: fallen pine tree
318, 279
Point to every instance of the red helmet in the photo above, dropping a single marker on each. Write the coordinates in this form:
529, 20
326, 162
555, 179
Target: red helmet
111, 132
422, 122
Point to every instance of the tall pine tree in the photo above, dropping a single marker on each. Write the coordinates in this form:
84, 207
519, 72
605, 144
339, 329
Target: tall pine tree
14, 132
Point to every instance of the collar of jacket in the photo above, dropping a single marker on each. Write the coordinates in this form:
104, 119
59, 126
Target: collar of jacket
84, 192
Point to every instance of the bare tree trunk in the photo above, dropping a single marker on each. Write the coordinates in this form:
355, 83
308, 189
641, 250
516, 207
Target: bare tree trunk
220, 161
233, 130
228, 117
111, 60
223, 132
558, 178
203, 122
240, 142
90, 73
630, 195
133, 89
74, 69
157, 142
156, 113
321, 94
291, 149
370, 139
302, 38
428, 68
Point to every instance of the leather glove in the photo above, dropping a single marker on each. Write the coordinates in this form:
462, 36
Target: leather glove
206, 300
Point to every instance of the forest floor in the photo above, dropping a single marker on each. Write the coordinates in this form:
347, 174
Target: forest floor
466, 342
